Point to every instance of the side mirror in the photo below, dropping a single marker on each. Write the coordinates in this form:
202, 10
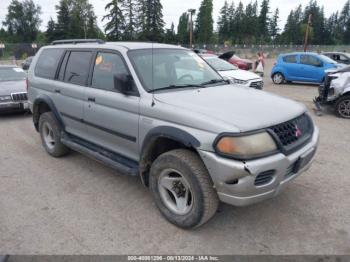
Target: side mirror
123, 83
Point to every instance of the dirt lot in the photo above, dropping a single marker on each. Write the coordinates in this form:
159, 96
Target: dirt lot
77, 206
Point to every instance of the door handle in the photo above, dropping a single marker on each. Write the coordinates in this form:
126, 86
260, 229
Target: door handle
58, 91
91, 99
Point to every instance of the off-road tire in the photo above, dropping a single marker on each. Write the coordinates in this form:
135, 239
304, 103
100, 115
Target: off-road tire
59, 149
337, 106
205, 199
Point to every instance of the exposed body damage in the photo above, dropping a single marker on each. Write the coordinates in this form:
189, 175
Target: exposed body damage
335, 91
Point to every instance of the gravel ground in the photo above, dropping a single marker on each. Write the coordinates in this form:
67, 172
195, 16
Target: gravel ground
75, 205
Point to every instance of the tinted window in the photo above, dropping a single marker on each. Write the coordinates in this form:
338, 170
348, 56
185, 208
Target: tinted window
310, 60
290, 59
77, 69
47, 63
63, 67
106, 66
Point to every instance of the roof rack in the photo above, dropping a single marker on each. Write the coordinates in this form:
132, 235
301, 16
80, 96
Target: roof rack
77, 41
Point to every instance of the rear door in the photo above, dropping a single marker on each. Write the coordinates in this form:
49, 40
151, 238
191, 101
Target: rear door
110, 116
71, 90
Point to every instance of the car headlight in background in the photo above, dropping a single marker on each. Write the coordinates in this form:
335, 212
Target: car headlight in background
247, 146
5, 98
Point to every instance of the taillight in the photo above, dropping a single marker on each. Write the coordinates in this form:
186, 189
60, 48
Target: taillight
27, 84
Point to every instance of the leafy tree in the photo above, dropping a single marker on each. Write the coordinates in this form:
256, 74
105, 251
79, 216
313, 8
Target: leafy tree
115, 28
23, 20
204, 22
183, 29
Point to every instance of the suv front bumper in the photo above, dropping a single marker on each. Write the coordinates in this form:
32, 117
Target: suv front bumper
235, 181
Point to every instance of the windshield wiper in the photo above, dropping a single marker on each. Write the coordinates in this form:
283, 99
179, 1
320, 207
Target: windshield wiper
214, 81
174, 87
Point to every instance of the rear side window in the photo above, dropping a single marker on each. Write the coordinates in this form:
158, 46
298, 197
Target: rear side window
290, 59
106, 66
47, 63
77, 69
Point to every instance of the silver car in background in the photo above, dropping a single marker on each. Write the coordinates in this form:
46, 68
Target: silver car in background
13, 89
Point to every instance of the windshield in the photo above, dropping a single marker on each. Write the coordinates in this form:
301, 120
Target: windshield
11, 74
327, 59
219, 64
164, 68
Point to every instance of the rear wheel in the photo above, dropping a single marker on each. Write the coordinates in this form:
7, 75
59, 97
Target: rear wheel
182, 189
50, 133
278, 78
343, 107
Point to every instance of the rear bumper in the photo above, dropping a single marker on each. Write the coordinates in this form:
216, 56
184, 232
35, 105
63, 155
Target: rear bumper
235, 180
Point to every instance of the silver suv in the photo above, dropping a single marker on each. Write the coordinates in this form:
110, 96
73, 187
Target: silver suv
162, 113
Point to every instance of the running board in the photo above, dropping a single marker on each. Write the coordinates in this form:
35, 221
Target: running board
113, 160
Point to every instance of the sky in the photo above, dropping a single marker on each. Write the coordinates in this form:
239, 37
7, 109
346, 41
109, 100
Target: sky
172, 9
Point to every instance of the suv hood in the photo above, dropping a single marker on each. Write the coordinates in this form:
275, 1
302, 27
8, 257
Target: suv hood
239, 74
245, 108
9, 87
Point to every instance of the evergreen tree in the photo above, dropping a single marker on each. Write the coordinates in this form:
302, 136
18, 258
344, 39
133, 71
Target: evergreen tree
345, 22
50, 31
204, 22
62, 27
264, 20
274, 29
130, 23
170, 36
152, 20
115, 27
249, 22
224, 23
183, 29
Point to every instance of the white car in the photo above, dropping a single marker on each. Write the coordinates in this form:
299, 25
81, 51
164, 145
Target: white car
233, 73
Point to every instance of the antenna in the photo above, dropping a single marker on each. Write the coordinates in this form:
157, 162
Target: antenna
153, 99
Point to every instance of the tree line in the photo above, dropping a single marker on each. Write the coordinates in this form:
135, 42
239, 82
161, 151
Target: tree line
142, 20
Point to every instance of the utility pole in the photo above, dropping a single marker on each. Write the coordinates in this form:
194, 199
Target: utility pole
192, 13
309, 23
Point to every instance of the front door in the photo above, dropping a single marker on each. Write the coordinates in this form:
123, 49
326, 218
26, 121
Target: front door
110, 116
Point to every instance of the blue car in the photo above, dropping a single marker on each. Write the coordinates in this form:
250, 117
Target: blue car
301, 67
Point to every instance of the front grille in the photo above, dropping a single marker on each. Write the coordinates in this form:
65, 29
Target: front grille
294, 133
257, 85
264, 178
19, 97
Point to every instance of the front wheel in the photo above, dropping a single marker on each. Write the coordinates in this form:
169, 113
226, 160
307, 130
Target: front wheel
343, 107
182, 189
278, 78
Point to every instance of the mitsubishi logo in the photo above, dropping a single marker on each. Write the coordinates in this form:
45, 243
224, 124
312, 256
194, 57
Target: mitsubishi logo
298, 132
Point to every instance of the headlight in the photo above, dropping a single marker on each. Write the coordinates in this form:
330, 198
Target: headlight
246, 147
5, 98
238, 81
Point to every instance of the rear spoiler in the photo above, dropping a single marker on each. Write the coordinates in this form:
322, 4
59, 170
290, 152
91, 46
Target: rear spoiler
227, 55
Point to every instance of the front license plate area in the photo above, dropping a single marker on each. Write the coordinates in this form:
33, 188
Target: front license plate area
303, 161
